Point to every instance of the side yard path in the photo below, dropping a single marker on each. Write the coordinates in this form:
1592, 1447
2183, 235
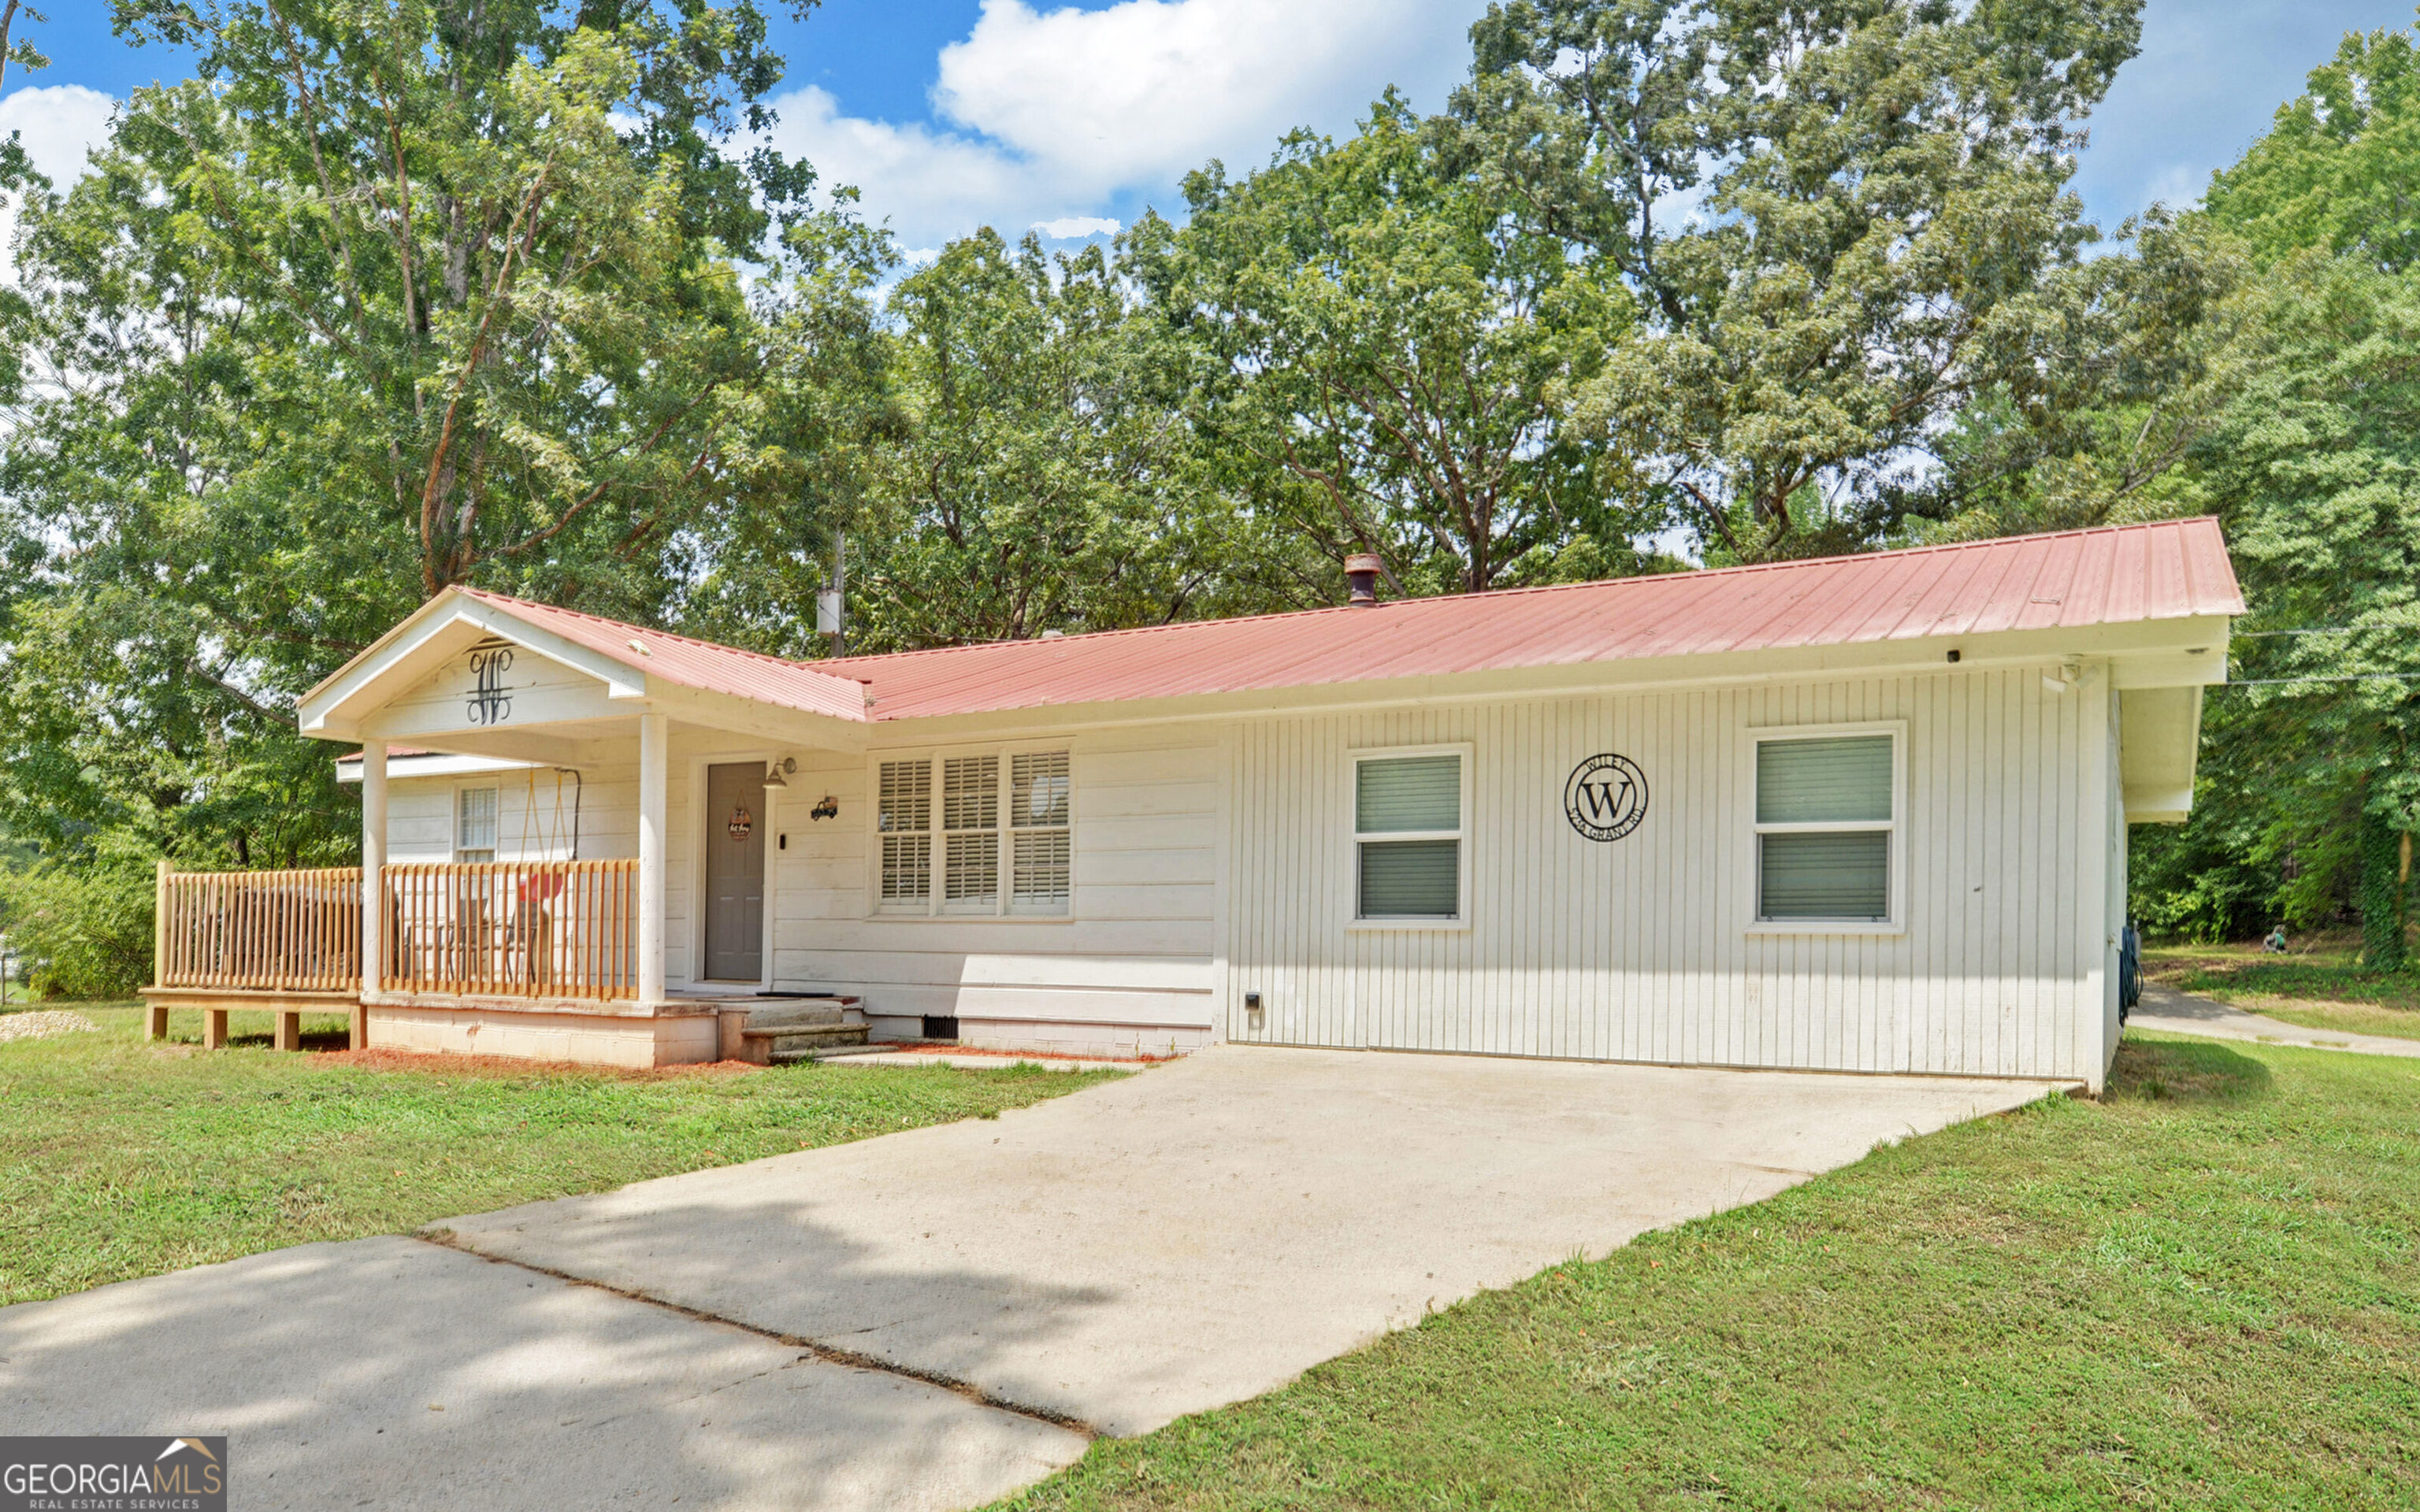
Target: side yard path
119, 1159
2201, 1291
2164, 1010
2319, 984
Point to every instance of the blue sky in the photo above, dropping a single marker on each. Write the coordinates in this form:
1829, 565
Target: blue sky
952, 114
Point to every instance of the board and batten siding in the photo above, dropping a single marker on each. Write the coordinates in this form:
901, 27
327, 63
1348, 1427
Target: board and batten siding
1130, 968
1640, 949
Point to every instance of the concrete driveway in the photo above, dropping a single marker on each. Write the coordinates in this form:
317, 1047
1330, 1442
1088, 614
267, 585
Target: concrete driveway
932, 1318
1207, 1230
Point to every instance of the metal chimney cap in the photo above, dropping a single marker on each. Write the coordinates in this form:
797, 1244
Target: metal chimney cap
1364, 561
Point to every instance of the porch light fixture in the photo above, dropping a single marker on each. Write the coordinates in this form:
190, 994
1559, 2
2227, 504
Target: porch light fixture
777, 774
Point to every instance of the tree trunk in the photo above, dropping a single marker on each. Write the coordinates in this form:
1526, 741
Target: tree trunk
2381, 892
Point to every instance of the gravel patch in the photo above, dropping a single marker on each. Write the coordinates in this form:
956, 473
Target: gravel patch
41, 1025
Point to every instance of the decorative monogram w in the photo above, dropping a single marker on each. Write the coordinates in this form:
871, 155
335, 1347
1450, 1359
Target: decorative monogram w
488, 703
1606, 797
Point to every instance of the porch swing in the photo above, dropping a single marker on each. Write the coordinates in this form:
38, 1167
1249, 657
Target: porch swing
530, 932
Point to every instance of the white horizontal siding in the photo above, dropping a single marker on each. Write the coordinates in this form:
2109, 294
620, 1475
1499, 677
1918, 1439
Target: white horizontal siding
529, 825
1136, 951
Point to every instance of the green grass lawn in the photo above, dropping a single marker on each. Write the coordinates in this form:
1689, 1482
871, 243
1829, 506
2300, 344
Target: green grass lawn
2203, 1292
2319, 984
121, 1159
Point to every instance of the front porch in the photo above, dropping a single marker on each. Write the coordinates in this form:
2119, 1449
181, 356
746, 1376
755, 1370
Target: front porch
596, 933
530, 960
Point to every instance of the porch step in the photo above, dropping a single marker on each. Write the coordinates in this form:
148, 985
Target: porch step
799, 1029
811, 1015
804, 1043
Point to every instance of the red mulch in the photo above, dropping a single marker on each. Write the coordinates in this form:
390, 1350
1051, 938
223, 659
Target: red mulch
375, 1058
931, 1049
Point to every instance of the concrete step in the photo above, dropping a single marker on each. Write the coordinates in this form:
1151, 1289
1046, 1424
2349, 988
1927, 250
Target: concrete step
814, 1044
777, 1012
800, 1016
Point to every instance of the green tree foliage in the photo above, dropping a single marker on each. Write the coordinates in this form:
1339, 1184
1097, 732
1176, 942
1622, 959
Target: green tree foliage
1387, 348
1881, 196
1042, 474
2135, 357
2315, 469
392, 296
2308, 789
81, 930
2336, 169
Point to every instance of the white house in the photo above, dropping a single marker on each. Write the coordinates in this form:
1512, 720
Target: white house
1865, 814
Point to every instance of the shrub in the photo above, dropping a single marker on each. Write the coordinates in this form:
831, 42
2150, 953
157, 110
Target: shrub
84, 926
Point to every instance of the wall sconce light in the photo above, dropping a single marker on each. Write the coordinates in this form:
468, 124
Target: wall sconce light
777, 774
828, 808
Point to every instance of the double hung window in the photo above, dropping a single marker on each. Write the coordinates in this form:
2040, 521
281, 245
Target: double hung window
1409, 824
976, 835
474, 826
1826, 827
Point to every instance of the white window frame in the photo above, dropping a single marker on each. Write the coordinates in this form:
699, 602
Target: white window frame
1354, 839
454, 823
1896, 827
934, 905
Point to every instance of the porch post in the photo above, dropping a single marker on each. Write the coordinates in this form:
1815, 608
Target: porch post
373, 888
655, 774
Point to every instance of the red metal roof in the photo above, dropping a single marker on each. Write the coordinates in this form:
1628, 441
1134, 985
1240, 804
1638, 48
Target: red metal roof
700, 664
2169, 570
2172, 569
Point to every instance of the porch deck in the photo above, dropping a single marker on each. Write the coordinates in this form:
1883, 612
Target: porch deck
532, 960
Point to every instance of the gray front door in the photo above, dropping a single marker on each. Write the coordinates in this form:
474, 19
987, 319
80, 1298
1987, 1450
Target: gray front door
734, 873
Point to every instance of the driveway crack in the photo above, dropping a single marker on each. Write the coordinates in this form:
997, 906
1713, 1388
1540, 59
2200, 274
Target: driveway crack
446, 1239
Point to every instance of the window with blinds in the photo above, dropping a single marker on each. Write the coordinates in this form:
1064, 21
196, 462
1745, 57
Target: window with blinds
988, 834
1040, 820
1825, 822
1407, 831
904, 818
970, 835
474, 826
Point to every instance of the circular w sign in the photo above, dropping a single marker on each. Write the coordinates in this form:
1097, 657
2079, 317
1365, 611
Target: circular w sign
1605, 798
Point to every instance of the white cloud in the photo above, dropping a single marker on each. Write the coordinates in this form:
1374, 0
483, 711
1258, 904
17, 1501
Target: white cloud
1050, 116
1077, 227
58, 125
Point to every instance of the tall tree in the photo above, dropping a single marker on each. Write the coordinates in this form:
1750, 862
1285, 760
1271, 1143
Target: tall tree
1042, 477
2316, 467
392, 296
2312, 767
2336, 169
1389, 346
1881, 194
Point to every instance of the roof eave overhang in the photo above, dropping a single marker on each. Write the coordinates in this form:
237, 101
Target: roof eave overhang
2175, 653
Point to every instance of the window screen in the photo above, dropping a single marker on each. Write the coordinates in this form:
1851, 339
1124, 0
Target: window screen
1824, 815
474, 827
1417, 798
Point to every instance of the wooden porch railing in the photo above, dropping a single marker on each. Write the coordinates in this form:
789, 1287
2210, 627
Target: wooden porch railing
522, 929
279, 930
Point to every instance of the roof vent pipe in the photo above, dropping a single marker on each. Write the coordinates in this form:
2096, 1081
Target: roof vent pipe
1361, 572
